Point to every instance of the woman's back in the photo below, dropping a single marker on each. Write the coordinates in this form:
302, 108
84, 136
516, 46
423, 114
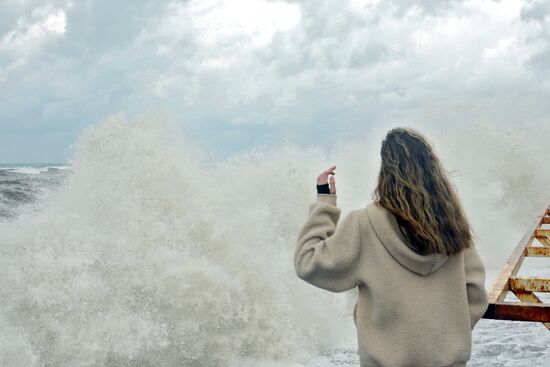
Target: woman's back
412, 310
411, 254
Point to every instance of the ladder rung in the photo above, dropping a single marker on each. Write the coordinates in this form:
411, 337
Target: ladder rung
521, 312
543, 235
537, 251
530, 284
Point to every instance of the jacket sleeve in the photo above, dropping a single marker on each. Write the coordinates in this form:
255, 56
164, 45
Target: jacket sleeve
327, 253
475, 284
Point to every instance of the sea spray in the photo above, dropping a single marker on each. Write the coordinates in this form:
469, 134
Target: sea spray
147, 257
152, 254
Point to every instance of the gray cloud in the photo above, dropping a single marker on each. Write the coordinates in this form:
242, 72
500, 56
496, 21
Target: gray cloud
275, 67
536, 13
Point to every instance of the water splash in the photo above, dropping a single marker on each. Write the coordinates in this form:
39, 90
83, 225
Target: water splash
151, 253
148, 256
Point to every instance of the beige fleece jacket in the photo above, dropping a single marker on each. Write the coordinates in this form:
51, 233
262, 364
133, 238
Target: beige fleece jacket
412, 310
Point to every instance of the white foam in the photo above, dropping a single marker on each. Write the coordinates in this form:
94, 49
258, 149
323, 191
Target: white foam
144, 255
148, 256
32, 170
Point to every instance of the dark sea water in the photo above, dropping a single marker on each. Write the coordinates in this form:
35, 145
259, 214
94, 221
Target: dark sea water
21, 185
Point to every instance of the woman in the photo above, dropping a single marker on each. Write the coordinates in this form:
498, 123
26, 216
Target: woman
410, 252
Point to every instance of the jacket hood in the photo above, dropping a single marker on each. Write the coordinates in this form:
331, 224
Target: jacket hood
388, 232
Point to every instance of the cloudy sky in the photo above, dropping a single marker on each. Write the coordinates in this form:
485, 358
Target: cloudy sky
237, 73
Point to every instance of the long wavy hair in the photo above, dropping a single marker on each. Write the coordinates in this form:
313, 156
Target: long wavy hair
414, 187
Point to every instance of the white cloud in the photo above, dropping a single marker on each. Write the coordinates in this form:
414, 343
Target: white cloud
32, 33
56, 22
254, 21
276, 65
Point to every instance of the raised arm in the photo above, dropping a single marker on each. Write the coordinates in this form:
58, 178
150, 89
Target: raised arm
327, 253
475, 284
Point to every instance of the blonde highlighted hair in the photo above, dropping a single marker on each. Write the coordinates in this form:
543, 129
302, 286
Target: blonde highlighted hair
413, 186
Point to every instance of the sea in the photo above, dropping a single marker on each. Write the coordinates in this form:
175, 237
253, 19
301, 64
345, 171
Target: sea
142, 251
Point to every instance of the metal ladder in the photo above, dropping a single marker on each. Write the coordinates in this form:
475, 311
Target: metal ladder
535, 242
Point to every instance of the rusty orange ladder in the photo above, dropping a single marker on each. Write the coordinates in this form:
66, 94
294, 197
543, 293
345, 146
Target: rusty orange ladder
535, 242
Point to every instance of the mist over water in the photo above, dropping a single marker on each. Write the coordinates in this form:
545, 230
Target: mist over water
152, 253
147, 257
